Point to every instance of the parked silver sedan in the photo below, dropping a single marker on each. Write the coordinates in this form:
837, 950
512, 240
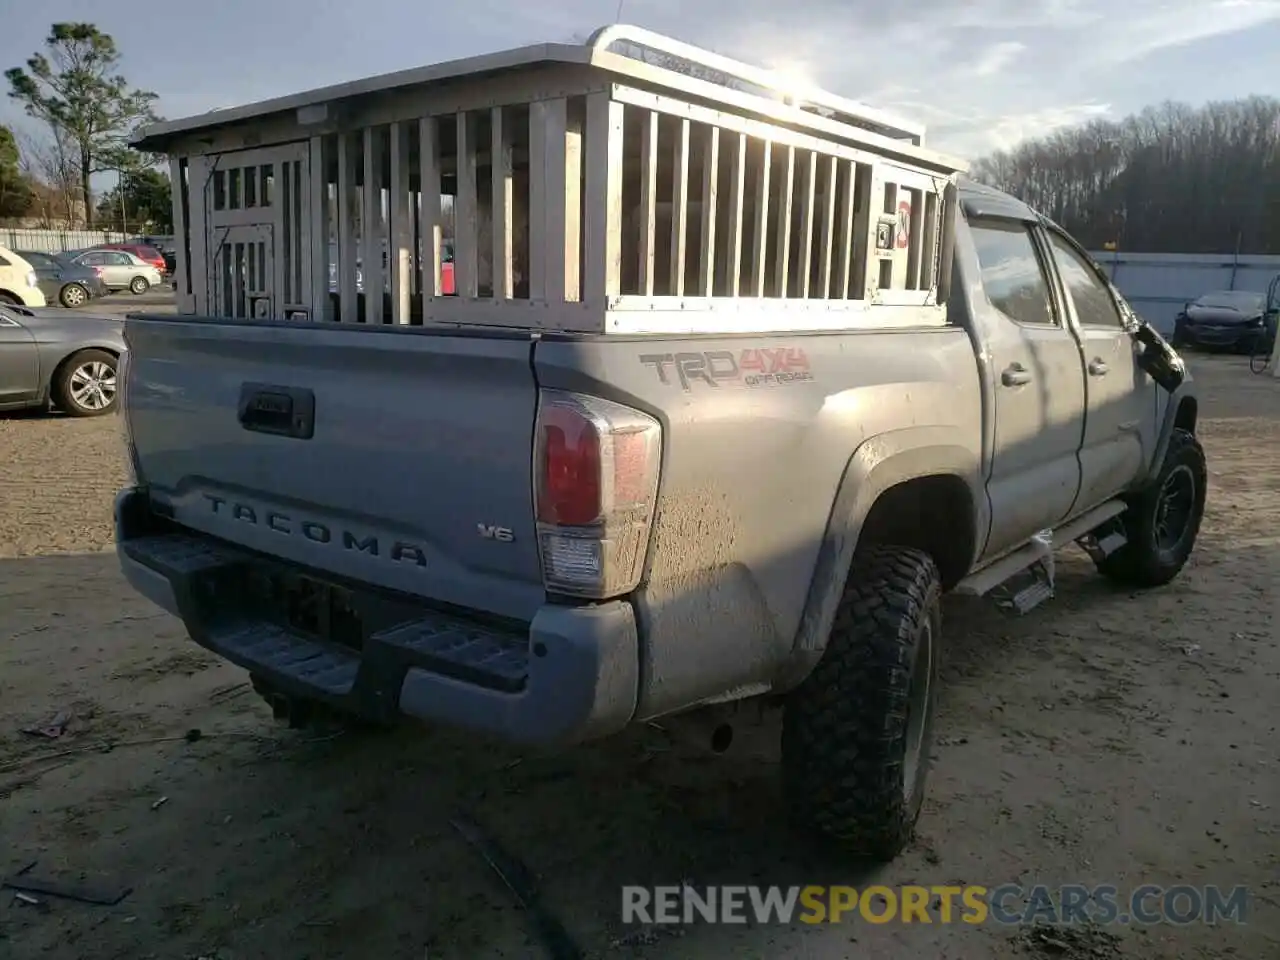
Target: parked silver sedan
50, 355
121, 270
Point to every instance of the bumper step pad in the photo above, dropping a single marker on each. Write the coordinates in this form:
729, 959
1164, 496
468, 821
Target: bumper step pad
203, 574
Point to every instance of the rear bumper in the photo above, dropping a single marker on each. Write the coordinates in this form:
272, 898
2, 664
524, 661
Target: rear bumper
571, 675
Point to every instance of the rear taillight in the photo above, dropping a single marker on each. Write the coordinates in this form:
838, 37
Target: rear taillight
596, 466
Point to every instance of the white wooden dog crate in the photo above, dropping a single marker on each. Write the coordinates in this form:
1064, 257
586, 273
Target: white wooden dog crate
631, 184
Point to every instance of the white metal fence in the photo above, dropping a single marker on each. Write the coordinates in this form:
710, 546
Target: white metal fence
1158, 285
55, 241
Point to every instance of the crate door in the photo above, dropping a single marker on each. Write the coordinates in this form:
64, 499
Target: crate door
243, 274
255, 195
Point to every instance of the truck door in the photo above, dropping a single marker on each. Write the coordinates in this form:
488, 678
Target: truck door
1120, 422
1037, 385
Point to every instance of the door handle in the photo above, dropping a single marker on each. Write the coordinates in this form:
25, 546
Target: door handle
1015, 375
1097, 368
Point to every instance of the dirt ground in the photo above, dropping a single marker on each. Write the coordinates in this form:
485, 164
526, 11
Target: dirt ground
1104, 738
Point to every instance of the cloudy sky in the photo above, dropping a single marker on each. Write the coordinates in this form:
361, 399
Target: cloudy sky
981, 73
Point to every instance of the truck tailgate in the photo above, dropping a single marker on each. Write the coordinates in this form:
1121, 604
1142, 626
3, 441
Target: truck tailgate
399, 458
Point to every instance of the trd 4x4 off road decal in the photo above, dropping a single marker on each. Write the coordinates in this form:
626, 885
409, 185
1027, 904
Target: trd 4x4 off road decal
749, 368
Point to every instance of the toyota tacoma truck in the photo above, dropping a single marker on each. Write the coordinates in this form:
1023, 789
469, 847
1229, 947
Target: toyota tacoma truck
735, 389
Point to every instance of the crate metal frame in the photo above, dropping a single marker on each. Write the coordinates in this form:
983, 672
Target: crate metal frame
594, 191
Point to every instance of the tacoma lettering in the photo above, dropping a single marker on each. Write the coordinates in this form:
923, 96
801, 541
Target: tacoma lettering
315, 531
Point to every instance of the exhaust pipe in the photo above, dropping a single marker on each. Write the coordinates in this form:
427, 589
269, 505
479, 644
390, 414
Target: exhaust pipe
721, 738
706, 729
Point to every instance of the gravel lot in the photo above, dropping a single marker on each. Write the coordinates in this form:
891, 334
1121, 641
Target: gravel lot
1106, 737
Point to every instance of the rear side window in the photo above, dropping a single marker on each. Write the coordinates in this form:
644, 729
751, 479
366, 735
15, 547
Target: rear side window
4, 262
1012, 275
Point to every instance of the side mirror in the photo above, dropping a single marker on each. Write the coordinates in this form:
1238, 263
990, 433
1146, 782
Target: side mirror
1158, 359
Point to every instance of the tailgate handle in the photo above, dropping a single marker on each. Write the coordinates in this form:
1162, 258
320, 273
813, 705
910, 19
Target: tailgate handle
282, 411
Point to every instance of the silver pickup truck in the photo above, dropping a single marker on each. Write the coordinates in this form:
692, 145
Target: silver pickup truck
747, 463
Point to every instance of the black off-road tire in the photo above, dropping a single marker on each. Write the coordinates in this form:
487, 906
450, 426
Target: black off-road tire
856, 734
1151, 558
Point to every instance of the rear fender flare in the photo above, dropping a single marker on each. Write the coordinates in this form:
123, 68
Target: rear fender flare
878, 464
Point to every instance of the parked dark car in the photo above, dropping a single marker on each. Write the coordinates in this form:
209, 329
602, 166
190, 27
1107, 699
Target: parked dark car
1233, 319
63, 281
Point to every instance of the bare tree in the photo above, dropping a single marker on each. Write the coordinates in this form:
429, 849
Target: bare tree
50, 166
1171, 178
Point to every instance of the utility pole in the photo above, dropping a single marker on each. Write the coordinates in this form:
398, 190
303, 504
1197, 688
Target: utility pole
124, 226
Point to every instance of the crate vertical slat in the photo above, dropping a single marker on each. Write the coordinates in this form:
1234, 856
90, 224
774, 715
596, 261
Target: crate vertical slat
679, 207
466, 210
603, 228
198, 185
928, 264
737, 214
179, 227
914, 231
760, 240
807, 221
503, 174
321, 306
430, 213
371, 227
710, 190
572, 248
349, 146
946, 241
648, 201
300, 229
847, 244
399, 210
864, 231
782, 264
540, 141
827, 239
870, 259
280, 222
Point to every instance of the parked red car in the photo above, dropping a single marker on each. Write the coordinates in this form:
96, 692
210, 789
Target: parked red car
140, 250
